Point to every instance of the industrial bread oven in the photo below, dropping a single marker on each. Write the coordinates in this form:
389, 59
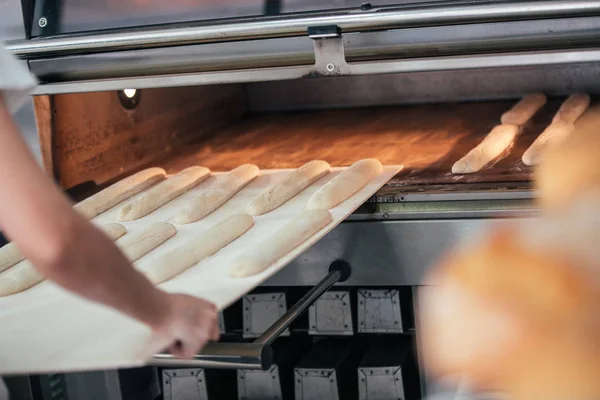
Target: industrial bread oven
131, 84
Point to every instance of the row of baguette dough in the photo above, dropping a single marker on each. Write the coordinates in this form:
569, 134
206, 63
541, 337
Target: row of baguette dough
20, 275
501, 137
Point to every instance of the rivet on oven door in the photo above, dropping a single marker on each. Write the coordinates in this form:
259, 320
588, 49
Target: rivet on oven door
42, 22
330, 67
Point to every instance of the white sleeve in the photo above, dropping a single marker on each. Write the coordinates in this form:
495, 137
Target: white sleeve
16, 82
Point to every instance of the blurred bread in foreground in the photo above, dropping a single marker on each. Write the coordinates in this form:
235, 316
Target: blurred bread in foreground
571, 168
517, 312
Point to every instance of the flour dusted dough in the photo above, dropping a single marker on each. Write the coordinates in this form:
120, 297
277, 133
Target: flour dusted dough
573, 108
524, 110
495, 143
23, 275
9, 256
555, 133
19, 277
163, 193
288, 187
179, 259
290, 236
223, 190
122, 190
137, 244
345, 184
113, 230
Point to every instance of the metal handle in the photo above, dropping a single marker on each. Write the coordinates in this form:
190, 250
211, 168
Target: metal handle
222, 355
258, 354
339, 271
354, 20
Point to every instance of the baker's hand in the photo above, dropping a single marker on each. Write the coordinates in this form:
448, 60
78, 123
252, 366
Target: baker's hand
189, 324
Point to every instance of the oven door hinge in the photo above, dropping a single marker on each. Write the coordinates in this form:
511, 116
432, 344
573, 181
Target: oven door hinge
330, 58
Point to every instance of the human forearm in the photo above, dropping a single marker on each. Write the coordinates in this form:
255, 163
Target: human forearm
89, 264
61, 244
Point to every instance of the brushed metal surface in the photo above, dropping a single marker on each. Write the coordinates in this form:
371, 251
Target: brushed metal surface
349, 21
416, 42
382, 253
529, 61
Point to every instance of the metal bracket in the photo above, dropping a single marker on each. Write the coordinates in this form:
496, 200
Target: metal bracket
330, 57
257, 354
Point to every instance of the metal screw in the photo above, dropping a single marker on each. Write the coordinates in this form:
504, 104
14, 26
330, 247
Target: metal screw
42, 22
330, 67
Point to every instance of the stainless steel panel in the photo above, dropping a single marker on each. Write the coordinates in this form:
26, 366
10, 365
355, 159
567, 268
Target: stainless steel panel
316, 384
328, 371
97, 385
69, 16
331, 315
261, 311
423, 87
207, 57
383, 383
184, 384
388, 371
259, 385
425, 64
387, 253
348, 21
11, 20
417, 42
379, 311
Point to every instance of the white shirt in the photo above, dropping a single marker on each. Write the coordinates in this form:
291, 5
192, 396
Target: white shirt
16, 82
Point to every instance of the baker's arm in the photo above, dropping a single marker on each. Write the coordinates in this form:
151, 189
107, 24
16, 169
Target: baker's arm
69, 250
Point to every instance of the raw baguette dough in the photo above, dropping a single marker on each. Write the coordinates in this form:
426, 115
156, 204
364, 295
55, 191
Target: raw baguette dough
524, 110
23, 275
113, 230
135, 245
223, 190
179, 259
122, 190
19, 277
495, 143
290, 236
345, 184
552, 135
572, 108
9, 256
288, 187
163, 193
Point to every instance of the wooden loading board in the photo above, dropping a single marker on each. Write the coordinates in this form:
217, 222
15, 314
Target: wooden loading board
46, 329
